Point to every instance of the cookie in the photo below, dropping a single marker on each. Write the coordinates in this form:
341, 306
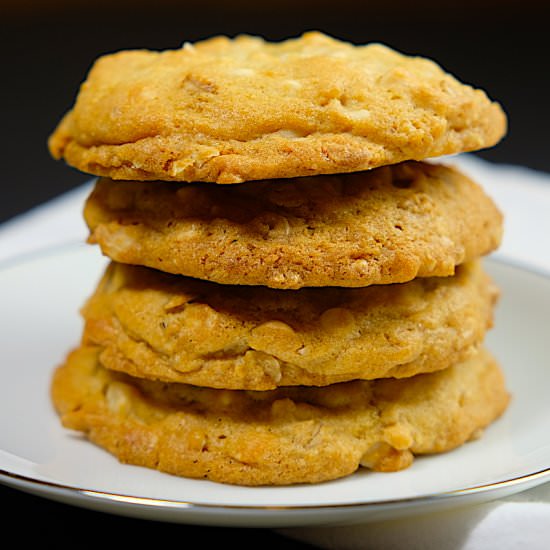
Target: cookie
176, 329
382, 226
280, 437
233, 110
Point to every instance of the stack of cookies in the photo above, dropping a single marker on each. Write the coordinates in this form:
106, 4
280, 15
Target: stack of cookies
293, 291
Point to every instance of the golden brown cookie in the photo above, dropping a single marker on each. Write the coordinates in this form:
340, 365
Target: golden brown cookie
382, 226
233, 110
284, 436
176, 329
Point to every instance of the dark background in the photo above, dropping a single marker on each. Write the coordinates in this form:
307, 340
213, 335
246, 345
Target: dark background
48, 47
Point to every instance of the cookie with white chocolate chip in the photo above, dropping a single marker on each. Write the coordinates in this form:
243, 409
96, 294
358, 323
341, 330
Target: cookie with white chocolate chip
232, 110
177, 329
382, 226
279, 437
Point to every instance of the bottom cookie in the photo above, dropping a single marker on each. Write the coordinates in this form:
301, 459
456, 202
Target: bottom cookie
277, 437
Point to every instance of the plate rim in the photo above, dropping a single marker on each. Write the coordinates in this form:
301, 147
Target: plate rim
106, 496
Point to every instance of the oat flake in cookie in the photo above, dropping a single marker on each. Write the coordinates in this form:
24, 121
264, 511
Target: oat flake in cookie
232, 110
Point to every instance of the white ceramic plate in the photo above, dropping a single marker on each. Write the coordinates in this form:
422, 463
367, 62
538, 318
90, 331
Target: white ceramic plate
40, 297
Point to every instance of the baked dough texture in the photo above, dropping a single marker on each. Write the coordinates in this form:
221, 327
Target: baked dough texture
176, 329
323, 312
232, 110
280, 437
382, 226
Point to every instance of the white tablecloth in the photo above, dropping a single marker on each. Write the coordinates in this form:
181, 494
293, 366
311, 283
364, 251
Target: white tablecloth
520, 521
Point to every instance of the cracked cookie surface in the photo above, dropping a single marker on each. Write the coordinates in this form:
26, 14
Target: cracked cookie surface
383, 226
233, 110
284, 436
155, 325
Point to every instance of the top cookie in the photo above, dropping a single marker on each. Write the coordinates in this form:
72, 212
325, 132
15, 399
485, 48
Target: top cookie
233, 110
